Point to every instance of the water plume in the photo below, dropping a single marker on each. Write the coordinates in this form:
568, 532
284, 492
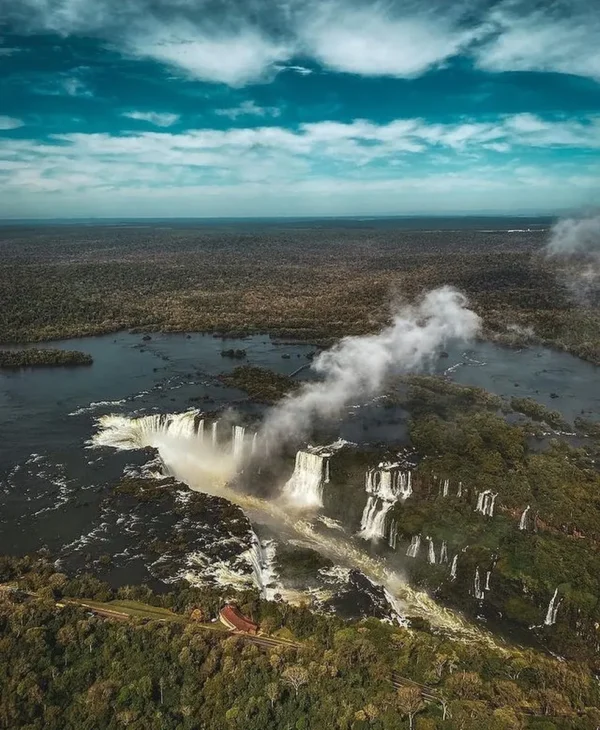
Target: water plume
357, 367
575, 244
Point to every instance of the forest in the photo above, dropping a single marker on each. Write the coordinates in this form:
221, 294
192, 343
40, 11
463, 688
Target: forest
39, 358
65, 668
311, 283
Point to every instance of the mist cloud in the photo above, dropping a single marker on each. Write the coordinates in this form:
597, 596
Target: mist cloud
357, 367
575, 244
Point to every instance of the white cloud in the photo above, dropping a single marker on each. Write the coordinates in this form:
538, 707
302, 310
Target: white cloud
376, 40
237, 42
7, 123
378, 156
248, 109
561, 36
159, 119
233, 58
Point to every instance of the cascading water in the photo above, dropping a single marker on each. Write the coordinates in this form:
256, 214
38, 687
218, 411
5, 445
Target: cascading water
385, 486
444, 552
214, 434
459, 490
393, 537
445, 487
487, 580
305, 486
373, 523
478, 593
453, 567
523, 520
485, 503
430, 552
238, 434
414, 547
552, 611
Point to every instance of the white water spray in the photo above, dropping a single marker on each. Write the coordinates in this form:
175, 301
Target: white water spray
385, 486
357, 367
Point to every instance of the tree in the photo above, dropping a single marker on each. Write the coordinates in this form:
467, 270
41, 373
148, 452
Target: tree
296, 676
272, 692
409, 702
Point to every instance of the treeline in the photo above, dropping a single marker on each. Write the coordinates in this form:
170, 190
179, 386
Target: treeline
315, 284
65, 669
39, 358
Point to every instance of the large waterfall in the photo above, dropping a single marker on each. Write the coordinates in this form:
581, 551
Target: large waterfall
311, 473
552, 611
414, 547
485, 502
523, 520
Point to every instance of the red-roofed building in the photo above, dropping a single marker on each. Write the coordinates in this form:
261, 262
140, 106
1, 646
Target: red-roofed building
234, 620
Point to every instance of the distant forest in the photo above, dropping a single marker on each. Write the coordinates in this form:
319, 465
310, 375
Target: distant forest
312, 283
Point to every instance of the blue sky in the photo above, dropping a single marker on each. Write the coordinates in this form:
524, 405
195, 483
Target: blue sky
298, 107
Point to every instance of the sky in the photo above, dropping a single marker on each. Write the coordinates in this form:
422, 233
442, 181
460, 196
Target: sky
225, 108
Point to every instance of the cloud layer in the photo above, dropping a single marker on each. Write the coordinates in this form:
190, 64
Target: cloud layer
377, 167
237, 42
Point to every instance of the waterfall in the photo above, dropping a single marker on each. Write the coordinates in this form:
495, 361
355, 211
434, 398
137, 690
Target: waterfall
372, 525
430, 552
523, 521
414, 547
445, 487
254, 443
553, 607
237, 441
485, 503
487, 580
479, 594
261, 557
305, 486
453, 567
385, 486
214, 433
459, 490
388, 482
200, 430
444, 552
393, 538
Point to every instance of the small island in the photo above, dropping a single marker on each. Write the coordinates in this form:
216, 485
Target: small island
42, 358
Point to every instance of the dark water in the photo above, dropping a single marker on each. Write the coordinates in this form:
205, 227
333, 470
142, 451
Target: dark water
54, 489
